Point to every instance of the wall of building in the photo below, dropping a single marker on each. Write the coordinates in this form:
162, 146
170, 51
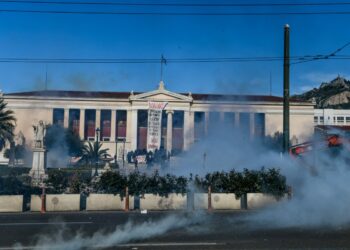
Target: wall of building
27, 117
30, 110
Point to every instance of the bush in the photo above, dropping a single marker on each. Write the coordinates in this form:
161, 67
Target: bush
13, 185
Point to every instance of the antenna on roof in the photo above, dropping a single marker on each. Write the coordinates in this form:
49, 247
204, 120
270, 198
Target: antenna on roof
162, 62
270, 83
46, 77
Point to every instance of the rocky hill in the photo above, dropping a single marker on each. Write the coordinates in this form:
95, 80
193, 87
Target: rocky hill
334, 94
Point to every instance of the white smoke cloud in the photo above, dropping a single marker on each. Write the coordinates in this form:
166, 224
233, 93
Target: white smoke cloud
122, 234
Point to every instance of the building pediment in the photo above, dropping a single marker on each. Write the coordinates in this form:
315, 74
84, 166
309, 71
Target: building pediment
161, 94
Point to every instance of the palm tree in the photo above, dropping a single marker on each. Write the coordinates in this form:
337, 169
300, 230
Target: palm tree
7, 124
92, 152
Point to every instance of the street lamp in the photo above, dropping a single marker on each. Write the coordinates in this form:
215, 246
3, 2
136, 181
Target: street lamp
124, 151
96, 150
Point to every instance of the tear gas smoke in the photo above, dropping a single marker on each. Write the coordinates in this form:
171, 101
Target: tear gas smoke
321, 194
122, 234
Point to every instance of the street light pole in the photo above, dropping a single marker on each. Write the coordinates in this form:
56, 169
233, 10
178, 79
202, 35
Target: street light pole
96, 150
124, 152
286, 67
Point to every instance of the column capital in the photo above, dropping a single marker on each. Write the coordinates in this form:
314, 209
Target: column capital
170, 111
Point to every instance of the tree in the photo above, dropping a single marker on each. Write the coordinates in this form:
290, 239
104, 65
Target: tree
7, 124
111, 182
19, 152
57, 181
93, 152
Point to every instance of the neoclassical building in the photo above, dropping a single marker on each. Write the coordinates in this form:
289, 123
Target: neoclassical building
121, 117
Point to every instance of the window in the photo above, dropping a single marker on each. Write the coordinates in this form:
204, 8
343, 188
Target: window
74, 119
58, 116
321, 119
340, 119
105, 125
121, 123
199, 125
315, 119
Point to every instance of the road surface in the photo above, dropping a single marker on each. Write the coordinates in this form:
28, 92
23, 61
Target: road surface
159, 230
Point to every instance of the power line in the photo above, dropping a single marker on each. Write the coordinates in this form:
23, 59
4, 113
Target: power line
267, 4
331, 55
297, 59
177, 13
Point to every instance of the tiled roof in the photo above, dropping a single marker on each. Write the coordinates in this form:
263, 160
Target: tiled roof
334, 127
69, 93
125, 95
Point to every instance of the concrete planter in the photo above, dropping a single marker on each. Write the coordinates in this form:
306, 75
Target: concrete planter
62, 202
156, 202
11, 203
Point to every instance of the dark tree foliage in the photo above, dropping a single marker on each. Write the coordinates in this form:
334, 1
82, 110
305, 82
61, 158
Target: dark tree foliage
111, 182
7, 124
249, 181
61, 181
92, 153
57, 181
19, 152
78, 182
139, 184
12, 185
268, 181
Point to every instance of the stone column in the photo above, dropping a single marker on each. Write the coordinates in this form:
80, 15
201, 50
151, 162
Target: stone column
113, 125
131, 130
236, 120
206, 123
66, 118
188, 129
251, 125
169, 131
222, 117
98, 123
82, 124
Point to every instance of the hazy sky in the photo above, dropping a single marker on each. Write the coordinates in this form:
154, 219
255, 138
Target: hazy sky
30, 35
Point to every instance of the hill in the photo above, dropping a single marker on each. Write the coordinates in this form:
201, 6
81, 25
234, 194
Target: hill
334, 94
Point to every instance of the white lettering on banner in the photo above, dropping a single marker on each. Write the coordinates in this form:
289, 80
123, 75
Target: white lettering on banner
154, 124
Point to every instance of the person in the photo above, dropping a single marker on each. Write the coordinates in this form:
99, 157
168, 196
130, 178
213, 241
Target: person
136, 162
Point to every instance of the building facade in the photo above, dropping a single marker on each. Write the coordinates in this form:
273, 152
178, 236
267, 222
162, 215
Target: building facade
121, 117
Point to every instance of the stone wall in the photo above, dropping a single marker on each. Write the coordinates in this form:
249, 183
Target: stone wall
225, 201
11, 203
62, 202
156, 202
106, 202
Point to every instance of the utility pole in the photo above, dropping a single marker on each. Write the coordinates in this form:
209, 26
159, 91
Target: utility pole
286, 67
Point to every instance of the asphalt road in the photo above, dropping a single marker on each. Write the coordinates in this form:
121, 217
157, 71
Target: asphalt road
159, 230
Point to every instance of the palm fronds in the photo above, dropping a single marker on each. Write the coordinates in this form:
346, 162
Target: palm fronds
7, 124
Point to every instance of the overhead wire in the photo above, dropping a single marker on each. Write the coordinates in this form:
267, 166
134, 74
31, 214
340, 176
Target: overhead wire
296, 59
331, 55
176, 13
256, 4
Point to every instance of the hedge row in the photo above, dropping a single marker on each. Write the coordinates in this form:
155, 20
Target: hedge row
268, 181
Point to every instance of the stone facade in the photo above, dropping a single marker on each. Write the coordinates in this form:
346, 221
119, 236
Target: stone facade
120, 116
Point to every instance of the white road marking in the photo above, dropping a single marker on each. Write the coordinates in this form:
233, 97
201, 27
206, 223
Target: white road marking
165, 244
171, 244
43, 223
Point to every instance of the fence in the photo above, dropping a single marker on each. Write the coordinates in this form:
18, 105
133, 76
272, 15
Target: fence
103, 202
